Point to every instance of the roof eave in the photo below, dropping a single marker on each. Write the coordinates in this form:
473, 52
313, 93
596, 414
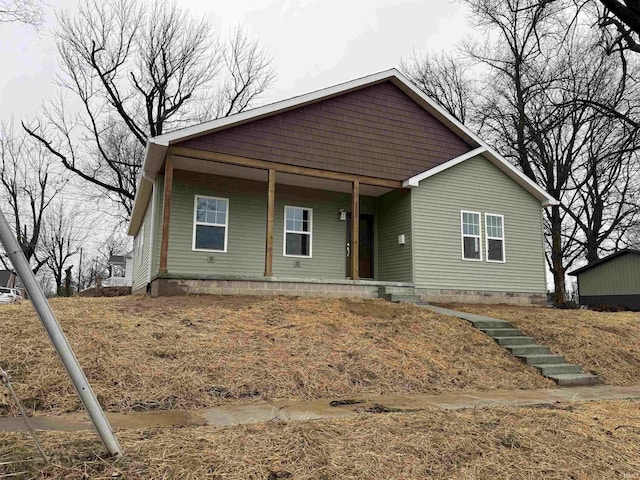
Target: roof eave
155, 153
501, 163
619, 253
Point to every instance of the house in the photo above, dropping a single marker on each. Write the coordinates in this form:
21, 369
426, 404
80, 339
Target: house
7, 278
611, 281
362, 188
121, 271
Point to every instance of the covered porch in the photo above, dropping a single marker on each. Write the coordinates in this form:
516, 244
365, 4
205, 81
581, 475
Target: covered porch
230, 224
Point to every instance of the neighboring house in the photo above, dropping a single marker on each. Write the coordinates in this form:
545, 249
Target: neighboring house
611, 281
264, 201
7, 278
121, 267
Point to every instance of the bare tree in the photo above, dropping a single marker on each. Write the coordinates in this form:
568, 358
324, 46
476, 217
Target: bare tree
549, 80
249, 74
139, 72
29, 183
113, 245
444, 78
519, 105
92, 273
605, 180
620, 21
62, 238
21, 11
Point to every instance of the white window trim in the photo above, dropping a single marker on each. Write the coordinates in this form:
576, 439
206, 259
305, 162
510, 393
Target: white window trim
486, 233
310, 232
462, 235
196, 223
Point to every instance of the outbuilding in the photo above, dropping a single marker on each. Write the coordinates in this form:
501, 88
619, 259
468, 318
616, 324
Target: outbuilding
613, 280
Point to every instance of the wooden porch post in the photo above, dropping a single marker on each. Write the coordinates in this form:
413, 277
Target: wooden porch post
355, 231
271, 208
166, 212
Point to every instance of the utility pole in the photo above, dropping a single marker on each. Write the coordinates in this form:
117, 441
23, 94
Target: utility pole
51, 325
79, 271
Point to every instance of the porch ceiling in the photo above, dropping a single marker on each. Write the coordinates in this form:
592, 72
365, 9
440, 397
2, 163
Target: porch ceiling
237, 171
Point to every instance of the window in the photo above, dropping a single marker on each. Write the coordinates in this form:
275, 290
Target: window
471, 236
495, 237
210, 219
297, 231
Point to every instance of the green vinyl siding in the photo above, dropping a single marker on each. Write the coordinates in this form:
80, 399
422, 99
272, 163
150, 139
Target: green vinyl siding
141, 258
619, 276
247, 216
329, 235
393, 219
247, 213
476, 185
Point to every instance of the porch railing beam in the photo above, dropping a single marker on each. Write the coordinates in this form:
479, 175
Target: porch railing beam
281, 167
166, 213
355, 231
271, 208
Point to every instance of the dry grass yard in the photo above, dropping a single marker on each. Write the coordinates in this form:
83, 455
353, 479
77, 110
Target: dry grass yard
193, 352
565, 441
143, 353
603, 343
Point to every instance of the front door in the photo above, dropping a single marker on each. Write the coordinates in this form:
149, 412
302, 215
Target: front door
366, 246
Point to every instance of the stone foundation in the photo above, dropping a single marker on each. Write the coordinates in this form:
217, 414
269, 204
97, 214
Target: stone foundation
171, 287
167, 286
475, 296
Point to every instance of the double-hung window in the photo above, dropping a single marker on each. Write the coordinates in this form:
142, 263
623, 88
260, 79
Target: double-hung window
210, 223
494, 225
298, 231
471, 243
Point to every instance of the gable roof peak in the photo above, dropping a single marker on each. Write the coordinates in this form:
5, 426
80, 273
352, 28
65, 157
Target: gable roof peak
270, 109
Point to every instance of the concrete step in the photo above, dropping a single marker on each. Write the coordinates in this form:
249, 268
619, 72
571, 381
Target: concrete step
536, 359
575, 379
491, 324
399, 297
504, 341
527, 349
556, 368
502, 332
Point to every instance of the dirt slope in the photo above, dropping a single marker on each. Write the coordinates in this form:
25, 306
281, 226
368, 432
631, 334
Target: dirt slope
192, 352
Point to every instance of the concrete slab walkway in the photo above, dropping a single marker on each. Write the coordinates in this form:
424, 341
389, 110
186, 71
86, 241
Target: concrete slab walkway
296, 410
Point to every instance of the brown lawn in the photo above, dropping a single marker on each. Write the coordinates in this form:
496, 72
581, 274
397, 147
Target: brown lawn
604, 343
566, 441
192, 352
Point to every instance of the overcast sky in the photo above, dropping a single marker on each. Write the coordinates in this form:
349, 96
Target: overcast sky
315, 43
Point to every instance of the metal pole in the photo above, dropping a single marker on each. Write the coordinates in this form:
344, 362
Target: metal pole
51, 325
